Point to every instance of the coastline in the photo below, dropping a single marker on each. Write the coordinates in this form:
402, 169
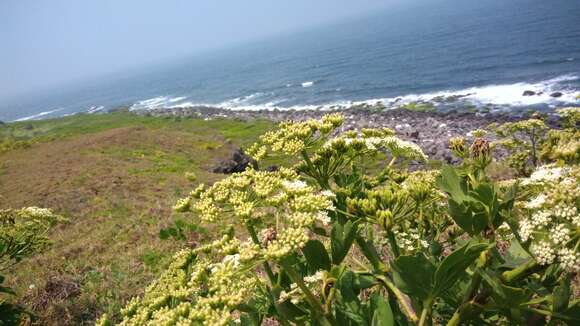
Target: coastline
431, 130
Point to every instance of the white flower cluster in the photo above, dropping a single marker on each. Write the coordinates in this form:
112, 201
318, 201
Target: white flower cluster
546, 174
295, 295
292, 137
410, 241
373, 143
550, 218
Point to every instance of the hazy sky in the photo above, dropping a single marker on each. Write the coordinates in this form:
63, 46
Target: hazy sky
46, 42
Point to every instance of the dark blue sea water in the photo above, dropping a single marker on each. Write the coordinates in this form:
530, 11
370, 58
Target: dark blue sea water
490, 51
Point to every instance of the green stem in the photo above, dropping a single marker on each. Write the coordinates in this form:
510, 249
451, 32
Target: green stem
427, 305
520, 271
267, 267
548, 313
393, 243
463, 312
400, 297
310, 297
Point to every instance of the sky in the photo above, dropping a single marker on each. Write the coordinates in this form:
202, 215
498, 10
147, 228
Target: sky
45, 43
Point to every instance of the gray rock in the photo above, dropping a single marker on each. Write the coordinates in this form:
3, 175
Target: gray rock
238, 163
529, 93
556, 94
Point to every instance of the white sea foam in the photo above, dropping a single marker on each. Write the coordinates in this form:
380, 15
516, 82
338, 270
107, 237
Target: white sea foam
157, 103
95, 109
498, 96
38, 115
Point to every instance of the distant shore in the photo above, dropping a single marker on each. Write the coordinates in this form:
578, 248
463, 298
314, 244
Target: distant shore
431, 130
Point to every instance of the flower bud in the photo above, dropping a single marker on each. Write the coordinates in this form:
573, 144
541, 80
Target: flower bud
480, 148
385, 218
457, 145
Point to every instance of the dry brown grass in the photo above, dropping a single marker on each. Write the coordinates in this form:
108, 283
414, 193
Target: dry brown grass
116, 187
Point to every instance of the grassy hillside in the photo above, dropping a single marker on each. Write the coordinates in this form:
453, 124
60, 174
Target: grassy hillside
115, 177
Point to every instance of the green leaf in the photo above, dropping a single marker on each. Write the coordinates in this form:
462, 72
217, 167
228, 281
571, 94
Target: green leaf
382, 315
561, 296
342, 237
454, 265
316, 256
414, 275
573, 312
7, 290
286, 309
370, 252
503, 295
347, 300
450, 182
515, 256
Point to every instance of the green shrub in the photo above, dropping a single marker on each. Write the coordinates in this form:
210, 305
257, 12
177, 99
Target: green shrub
332, 240
23, 232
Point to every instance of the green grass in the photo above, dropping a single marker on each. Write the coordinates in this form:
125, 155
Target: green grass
115, 177
50, 129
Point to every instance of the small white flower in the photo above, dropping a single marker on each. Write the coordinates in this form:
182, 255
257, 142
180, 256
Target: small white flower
569, 260
544, 253
559, 234
323, 218
536, 202
294, 185
328, 193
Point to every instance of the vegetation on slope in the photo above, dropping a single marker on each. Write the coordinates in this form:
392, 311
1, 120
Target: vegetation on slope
329, 242
115, 177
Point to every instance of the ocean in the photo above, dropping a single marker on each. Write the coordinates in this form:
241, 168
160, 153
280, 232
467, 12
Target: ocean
451, 53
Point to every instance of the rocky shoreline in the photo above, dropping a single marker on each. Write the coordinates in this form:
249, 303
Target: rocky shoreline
430, 130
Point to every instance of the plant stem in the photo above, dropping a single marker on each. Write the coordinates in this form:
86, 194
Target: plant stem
425, 312
312, 300
510, 276
393, 243
255, 239
463, 312
407, 309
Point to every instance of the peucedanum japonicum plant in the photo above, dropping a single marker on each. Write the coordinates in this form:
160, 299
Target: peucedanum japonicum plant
345, 234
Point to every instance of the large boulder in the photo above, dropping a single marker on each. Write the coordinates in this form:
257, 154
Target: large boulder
529, 93
237, 163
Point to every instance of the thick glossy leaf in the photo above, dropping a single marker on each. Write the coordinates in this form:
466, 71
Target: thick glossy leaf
382, 315
503, 295
347, 300
316, 256
342, 237
414, 275
515, 256
470, 215
455, 264
450, 182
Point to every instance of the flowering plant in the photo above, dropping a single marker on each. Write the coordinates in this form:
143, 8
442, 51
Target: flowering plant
23, 232
346, 235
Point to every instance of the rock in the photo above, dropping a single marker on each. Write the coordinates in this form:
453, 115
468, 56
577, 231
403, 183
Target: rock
238, 163
414, 134
556, 94
529, 93
272, 168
